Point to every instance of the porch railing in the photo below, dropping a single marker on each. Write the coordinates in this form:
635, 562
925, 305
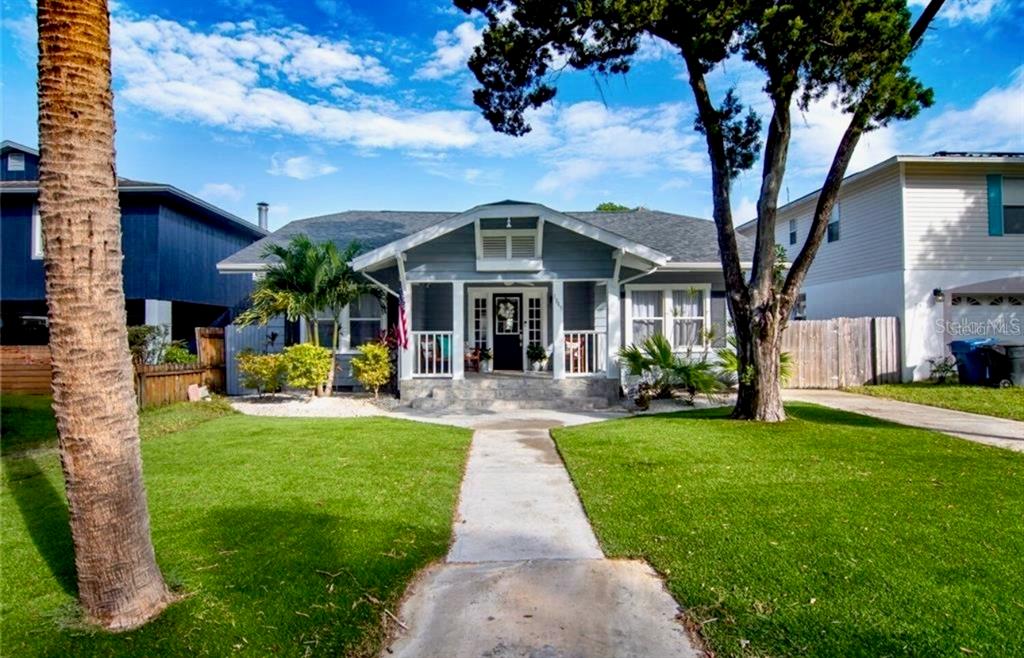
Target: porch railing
432, 353
585, 352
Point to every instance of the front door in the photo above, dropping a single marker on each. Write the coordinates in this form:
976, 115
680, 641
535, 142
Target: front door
508, 331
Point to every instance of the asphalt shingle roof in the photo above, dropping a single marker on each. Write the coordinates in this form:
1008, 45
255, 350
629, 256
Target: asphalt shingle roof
685, 239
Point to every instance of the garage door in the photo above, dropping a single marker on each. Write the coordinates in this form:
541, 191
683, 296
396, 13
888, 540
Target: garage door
1000, 316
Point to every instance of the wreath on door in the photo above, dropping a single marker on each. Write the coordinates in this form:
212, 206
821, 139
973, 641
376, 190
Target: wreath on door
507, 317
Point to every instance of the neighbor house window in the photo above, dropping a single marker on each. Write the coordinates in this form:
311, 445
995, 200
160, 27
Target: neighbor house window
648, 315
680, 313
37, 234
792, 231
833, 224
15, 162
1013, 205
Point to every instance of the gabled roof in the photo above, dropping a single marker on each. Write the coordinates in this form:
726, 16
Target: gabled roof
502, 210
127, 185
10, 145
683, 239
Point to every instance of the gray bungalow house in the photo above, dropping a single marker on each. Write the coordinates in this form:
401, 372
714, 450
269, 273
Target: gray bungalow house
510, 274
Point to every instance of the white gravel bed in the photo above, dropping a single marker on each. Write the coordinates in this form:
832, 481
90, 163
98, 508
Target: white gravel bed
339, 405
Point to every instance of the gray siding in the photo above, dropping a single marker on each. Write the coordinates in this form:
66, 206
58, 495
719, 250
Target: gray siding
566, 255
237, 339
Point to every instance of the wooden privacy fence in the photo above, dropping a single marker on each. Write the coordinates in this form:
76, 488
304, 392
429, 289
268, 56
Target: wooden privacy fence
168, 382
843, 352
25, 369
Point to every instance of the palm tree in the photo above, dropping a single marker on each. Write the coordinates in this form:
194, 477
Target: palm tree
119, 583
305, 279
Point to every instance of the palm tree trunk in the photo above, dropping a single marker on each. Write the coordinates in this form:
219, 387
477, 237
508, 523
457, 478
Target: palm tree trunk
119, 583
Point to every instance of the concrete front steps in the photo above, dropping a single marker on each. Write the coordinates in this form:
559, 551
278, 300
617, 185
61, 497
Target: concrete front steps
509, 393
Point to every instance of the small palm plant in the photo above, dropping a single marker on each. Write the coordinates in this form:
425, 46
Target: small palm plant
729, 363
656, 361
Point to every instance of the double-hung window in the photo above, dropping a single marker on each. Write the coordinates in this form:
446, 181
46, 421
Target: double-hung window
366, 321
648, 314
687, 318
681, 313
1013, 206
361, 322
833, 224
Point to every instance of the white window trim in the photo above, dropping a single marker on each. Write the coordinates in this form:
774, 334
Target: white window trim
37, 234
487, 293
345, 322
667, 310
509, 264
15, 157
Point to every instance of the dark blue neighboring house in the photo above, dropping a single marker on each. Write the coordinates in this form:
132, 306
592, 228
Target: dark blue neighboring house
171, 240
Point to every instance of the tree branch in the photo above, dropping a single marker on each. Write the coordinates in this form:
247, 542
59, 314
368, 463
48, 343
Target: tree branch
837, 171
776, 150
722, 211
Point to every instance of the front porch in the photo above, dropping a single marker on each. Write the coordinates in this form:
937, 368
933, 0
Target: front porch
577, 323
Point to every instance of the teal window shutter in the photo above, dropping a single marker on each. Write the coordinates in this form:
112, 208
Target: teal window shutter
995, 204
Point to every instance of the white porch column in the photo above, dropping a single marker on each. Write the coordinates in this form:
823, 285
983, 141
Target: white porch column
458, 329
406, 356
558, 325
158, 314
614, 335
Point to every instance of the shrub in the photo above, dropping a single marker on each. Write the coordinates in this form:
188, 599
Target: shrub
263, 372
308, 366
663, 370
175, 353
943, 370
536, 352
372, 367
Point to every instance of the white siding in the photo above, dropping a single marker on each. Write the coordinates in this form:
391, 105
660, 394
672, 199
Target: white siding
869, 226
946, 209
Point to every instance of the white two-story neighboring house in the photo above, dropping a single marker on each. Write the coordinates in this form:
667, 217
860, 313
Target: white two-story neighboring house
937, 241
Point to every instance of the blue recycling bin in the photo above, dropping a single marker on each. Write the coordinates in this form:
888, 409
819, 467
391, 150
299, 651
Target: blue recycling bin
972, 360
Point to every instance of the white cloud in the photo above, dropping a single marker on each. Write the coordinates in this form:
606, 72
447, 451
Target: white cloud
222, 191
232, 78
302, 167
959, 11
995, 122
451, 51
626, 142
816, 135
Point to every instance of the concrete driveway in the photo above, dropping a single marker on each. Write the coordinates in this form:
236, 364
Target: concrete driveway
998, 432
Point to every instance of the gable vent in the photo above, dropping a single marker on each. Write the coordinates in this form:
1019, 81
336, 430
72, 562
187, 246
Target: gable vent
493, 246
523, 246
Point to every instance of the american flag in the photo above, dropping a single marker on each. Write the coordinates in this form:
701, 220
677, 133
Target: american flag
402, 332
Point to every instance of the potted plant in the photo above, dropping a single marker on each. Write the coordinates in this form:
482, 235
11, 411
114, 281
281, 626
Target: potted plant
537, 355
485, 359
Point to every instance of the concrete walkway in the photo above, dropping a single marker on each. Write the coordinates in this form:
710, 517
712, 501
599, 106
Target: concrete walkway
998, 432
525, 576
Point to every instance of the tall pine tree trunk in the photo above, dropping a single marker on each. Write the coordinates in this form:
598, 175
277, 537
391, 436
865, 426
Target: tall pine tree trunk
119, 583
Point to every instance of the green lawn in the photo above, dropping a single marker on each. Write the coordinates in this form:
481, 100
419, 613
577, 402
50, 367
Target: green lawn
287, 536
831, 534
1001, 402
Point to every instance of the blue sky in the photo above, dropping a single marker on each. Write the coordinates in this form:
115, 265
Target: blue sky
330, 105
